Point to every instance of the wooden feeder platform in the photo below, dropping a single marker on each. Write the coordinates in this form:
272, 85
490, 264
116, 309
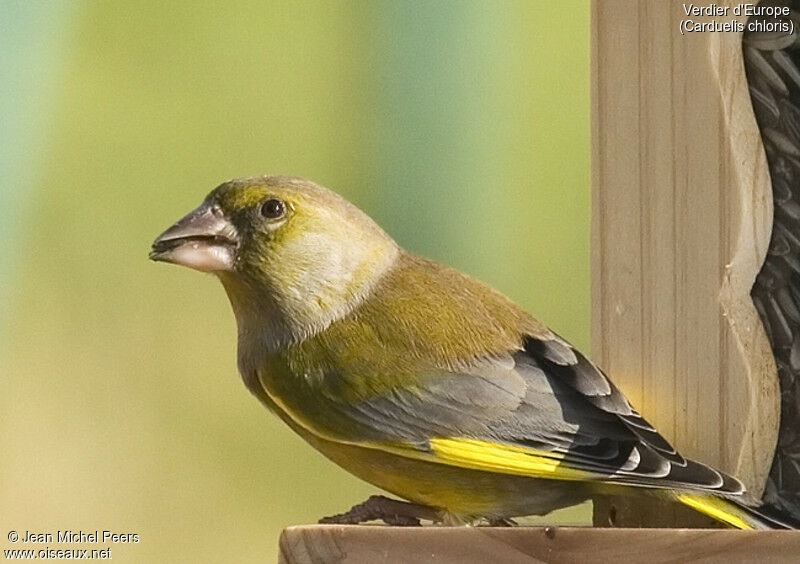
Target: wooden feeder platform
317, 544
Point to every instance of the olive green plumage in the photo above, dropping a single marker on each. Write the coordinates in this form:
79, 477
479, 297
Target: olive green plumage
415, 377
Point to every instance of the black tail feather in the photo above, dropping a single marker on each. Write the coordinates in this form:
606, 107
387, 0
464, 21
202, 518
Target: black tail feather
778, 517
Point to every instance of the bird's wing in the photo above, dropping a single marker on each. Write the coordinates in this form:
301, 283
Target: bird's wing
544, 412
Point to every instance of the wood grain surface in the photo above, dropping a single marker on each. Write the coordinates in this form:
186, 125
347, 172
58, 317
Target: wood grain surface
316, 544
681, 221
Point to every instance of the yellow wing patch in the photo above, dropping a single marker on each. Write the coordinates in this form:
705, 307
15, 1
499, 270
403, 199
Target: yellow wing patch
496, 457
715, 508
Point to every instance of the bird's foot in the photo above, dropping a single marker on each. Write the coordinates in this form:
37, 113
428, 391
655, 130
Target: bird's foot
502, 522
390, 511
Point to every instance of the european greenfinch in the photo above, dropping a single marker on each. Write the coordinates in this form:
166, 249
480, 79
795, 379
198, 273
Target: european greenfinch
419, 379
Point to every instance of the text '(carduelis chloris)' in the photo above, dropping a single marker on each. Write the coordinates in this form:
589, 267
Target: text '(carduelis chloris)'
417, 378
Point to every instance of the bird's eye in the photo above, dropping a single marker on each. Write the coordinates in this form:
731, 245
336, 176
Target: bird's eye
273, 209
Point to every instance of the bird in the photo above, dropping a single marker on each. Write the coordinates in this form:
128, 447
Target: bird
419, 379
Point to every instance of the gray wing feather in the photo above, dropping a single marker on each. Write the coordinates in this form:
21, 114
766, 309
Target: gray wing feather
548, 397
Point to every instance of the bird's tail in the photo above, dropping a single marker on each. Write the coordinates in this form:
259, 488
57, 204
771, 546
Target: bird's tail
738, 515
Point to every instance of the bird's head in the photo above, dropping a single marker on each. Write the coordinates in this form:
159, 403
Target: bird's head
284, 248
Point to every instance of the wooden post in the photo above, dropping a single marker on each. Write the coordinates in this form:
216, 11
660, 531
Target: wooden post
681, 223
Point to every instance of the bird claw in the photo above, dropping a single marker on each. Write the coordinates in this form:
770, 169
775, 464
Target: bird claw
390, 511
502, 522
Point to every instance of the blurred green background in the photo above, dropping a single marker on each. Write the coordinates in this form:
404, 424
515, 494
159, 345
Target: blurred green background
461, 127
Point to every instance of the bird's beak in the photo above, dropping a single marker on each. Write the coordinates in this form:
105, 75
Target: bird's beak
204, 240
